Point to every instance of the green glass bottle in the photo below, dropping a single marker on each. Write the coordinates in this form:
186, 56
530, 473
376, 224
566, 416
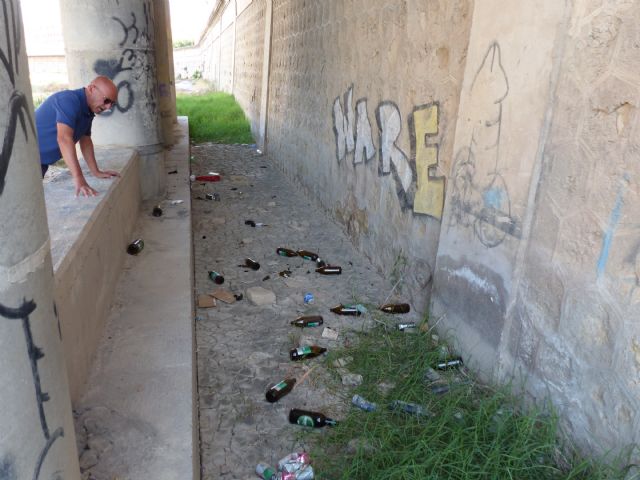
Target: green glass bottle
310, 419
307, 255
280, 389
286, 252
216, 277
301, 353
252, 264
346, 310
135, 247
308, 321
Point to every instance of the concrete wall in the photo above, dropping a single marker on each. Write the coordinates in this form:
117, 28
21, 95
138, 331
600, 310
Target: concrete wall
487, 151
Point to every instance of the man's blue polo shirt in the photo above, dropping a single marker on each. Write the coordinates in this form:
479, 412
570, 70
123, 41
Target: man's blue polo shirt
68, 107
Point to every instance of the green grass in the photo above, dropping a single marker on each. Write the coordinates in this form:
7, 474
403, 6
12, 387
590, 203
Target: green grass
215, 117
474, 432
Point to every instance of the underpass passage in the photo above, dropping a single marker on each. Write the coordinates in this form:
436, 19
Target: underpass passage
242, 348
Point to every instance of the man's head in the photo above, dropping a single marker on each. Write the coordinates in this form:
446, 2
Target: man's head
102, 95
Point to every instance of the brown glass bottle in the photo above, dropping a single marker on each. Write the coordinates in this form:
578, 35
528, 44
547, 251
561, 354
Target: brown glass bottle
396, 308
252, 264
307, 255
346, 310
329, 270
310, 419
309, 321
216, 277
301, 353
135, 247
286, 252
280, 389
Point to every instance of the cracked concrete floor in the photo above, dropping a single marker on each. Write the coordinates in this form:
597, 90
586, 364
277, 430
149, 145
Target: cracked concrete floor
243, 348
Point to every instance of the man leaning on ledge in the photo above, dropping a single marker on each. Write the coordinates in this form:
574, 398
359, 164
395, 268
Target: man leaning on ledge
64, 119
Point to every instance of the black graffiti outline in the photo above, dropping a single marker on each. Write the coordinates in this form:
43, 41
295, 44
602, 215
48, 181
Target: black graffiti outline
35, 354
18, 106
128, 29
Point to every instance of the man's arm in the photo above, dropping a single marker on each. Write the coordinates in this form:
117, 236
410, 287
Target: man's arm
68, 150
86, 146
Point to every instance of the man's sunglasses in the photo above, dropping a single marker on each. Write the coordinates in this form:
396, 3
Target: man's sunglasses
105, 100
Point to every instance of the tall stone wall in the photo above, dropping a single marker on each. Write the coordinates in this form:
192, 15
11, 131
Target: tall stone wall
484, 156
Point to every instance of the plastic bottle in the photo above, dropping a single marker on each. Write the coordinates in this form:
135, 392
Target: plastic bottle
302, 353
280, 389
410, 408
135, 247
396, 308
265, 472
329, 270
364, 404
310, 419
450, 364
252, 264
286, 252
216, 277
308, 321
294, 462
346, 310
307, 255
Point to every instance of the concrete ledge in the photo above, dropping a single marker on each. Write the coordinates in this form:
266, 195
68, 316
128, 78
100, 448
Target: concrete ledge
88, 242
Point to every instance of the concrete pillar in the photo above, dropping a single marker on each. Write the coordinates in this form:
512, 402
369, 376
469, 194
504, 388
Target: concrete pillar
174, 112
163, 71
37, 439
266, 68
116, 38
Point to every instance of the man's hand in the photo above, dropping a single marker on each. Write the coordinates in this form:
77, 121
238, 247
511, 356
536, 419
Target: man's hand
105, 174
83, 189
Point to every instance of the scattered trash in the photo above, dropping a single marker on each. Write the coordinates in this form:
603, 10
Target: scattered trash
406, 326
285, 273
431, 375
286, 252
294, 462
205, 178
280, 389
204, 237
206, 301
234, 188
260, 296
266, 278
216, 277
266, 472
308, 321
440, 389
308, 298
351, 379
259, 152
135, 247
251, 223
329, 333
216, 197
329, 270
238, 297
173, 172
224, 295
302, 353
209, 196
396, 308
450, 364
410, 408
363, 404
157, 211
310, 419
353, 310
342, 362
252, 264
176, 202
307, 255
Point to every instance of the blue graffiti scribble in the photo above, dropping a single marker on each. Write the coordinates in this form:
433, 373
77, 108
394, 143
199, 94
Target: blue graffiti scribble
494, 198
614, 218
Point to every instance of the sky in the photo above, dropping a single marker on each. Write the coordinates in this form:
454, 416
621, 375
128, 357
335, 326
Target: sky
188, 18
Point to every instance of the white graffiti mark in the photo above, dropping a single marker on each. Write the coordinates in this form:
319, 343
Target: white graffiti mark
365, 149
475, 281
390, 124
343, 124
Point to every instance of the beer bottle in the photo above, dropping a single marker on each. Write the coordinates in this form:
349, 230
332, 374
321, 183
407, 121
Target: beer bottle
301, 353
310, 419
280, 389
329, 270
450, 364
309, 321
216, 277
252, 264
286, 252
266, 472
307, 255
346, 310
135, 247
405, 326
396, 308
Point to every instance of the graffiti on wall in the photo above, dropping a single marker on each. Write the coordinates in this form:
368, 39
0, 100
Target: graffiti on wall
418, 186
18, 108
34, 355
135, 58
479, 195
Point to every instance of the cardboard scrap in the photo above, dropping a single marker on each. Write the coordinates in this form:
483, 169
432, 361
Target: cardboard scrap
224, 295
206, 301
329, 333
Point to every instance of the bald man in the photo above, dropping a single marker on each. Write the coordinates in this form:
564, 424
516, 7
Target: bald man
64, 119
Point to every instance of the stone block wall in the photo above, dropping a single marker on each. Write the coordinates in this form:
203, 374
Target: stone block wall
483, 155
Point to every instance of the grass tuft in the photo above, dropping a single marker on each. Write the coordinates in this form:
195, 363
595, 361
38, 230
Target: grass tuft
472, 432
214, 117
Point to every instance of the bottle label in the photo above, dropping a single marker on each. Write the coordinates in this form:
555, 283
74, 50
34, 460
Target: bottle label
305, 421
303, 350
279, 386
312, 324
